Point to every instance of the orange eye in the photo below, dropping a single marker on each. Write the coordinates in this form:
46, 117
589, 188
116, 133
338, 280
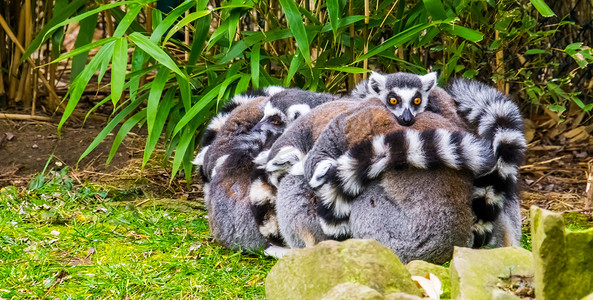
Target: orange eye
275, 122
393, 101
417, 101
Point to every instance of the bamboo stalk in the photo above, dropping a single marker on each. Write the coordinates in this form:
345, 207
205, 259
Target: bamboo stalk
187, 37
2, 48
55, 99
148, 12
500, 84
108, 20
14, 69
17, 56
28, 91
23, 117
351, 78
365, 63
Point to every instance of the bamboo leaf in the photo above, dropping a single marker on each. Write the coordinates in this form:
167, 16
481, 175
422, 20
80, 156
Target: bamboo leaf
158, 84
123, 131
333, 10
83, 49
353, 70
154, 51
436, 9
182, 147
118, 69
108, 128
296, 26
295, 65
184, 91
396, 40
85, 36
79, 84
166, 24
543, 8
223, 86
186, 20
243, 84
255, 52
197, 108
202, 26
464, 32
127, 20
159, 125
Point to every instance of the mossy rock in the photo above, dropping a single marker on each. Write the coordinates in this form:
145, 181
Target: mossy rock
311, 273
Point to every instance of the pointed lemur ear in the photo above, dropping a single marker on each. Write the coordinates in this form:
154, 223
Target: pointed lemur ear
376, 82
429, 81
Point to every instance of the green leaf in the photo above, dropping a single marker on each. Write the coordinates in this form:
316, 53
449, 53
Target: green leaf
197, 108
464, 32
184, 91
186, 20
154, 51
255, 54
123, 131
396, 40
60, 14
436, 9
83, 49
182, 147
295, 23
223, 86
353, 70
118, 69
85, 36
202, 26
166, 24
295, 65
108, 128
543, 8
243, 84
158, 84
80, 83
333, 10
159, 125
126, 21
535, 51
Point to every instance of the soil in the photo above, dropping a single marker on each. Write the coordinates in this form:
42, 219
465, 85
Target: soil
26, 147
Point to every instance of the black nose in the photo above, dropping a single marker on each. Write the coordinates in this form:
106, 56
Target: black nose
406, 119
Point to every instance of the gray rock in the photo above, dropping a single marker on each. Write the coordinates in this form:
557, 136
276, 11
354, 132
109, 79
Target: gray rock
311, 273
478, 274
352, 291
563, 258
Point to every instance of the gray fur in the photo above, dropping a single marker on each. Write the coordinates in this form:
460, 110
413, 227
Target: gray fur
296, 206
418, 220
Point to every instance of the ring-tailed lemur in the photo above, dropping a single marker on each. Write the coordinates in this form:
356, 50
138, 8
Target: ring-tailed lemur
418, 213
404, 94
498, 120
286, 187
228, 162
490, 115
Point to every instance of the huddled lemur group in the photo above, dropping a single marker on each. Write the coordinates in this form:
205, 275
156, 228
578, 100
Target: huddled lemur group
399, 160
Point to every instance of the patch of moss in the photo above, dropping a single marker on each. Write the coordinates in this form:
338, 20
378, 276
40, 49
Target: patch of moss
577, 221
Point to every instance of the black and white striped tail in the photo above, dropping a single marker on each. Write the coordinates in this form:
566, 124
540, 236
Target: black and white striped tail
339, 181
218, 121
498, 120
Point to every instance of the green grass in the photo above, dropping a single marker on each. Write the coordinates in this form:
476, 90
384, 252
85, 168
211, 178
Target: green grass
59, 241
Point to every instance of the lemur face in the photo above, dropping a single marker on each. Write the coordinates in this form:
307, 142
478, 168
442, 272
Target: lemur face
404, 94
275, 120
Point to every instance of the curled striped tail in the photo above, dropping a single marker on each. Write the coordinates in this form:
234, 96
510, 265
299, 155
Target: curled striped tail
498, 120
339, 182
220, 119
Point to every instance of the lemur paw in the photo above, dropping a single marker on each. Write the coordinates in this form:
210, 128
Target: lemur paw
319, 175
